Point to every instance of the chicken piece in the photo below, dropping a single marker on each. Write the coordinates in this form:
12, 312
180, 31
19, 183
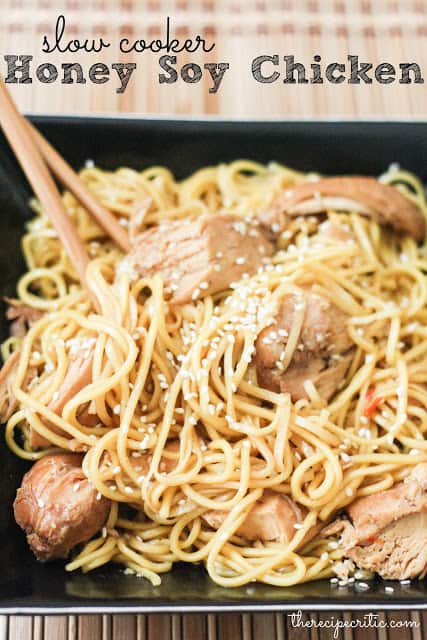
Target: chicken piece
388, 530
399, 553
383, 203
8, 402
57, 506
198, 257
137, 218
142, 462
371, 514
86, 416
335, 232
22, 317
324, 348
78, 376
273, 517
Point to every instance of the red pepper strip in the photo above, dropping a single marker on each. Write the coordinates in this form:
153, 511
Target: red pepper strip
372, 539
372, 402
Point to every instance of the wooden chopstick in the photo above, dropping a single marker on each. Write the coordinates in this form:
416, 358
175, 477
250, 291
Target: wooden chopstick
42, 183
71, 181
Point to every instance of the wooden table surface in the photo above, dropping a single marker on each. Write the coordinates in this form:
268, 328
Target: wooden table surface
393, 625
376, 30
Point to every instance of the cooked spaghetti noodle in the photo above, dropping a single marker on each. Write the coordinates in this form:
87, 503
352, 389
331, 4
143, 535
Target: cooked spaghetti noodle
175, 386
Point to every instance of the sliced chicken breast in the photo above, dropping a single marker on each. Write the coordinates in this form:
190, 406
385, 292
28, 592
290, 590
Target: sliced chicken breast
323, 353
200, 256
387, 532
273, 517
383, 203
78, 376
57, 506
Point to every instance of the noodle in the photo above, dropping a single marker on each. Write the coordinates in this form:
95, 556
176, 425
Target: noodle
178, 383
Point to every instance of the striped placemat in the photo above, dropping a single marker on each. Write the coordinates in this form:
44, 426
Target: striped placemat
376, 30
393, 625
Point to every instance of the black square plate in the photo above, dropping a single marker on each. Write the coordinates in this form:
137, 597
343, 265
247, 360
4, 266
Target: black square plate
330, 147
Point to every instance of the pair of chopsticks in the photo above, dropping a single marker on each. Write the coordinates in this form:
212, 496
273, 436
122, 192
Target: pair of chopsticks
36, 156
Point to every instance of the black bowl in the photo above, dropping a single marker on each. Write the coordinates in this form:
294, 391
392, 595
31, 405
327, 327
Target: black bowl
330, 147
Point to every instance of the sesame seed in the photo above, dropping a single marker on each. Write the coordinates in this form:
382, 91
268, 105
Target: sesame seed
359, 575
144, 442
116, 409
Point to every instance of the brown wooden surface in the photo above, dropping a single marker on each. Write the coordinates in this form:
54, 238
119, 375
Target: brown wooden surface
266, 626
376, 30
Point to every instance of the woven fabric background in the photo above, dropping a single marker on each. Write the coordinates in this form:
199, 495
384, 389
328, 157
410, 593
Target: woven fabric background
377, 30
